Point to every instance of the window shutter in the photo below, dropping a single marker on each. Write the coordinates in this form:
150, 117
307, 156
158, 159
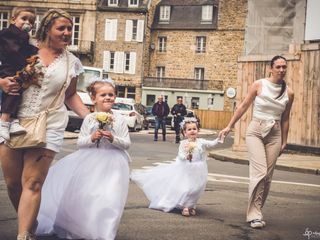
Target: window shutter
129, 26
140, 30
119, 62
132, 66
114, 29
106, 61
111, 30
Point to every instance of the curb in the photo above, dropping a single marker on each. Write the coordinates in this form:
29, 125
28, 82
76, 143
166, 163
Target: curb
281, 167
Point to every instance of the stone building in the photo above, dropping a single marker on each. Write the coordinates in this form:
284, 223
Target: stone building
194, 46
120, 43
84, 18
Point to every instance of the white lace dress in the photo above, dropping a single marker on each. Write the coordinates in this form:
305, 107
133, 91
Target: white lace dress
179, 184
36, 100
85, 192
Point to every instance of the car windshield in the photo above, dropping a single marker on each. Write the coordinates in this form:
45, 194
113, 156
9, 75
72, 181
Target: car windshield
149, 110
84, 79
122, 106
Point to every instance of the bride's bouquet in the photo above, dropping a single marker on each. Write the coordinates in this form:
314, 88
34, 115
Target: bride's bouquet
105, 121
190, 146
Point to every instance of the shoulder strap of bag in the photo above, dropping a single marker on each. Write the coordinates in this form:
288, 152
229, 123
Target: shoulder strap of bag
58, 96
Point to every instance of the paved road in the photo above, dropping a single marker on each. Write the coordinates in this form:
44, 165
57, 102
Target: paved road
292, 210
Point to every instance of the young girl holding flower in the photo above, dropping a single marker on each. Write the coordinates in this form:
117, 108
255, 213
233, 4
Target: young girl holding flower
85, 192
180, 184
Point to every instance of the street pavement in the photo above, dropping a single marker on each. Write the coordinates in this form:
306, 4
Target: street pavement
209, 204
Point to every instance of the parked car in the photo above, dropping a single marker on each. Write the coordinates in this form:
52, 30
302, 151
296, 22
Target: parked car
190, 113
89, 73
133, 112
150, 118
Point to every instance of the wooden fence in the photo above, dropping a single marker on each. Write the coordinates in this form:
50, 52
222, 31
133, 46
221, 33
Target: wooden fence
303, 77
210, 119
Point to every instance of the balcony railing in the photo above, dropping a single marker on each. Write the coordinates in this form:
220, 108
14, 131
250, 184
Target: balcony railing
83, 47
183, 83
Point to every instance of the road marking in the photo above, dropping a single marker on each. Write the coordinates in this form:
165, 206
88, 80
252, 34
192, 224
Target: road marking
226, 178
216, 177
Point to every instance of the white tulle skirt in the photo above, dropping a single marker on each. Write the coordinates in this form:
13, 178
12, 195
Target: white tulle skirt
176, 185
84, 195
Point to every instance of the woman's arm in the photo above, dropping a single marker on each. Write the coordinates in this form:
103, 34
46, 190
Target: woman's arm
73, 100
242, 108
285, 120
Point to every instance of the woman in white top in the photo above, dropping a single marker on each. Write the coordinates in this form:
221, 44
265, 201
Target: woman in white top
25, 170
267, 133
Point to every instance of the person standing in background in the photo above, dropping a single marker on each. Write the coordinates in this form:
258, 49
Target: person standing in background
178, 111
160, 110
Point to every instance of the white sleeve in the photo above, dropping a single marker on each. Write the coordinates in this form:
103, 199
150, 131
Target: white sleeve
182, 152
209, 143
121, 138
84, 138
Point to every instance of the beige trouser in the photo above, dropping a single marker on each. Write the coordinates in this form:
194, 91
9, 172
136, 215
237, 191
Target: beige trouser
263, 154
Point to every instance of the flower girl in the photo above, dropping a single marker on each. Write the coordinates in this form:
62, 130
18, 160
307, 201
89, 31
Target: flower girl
180, 184
85, 192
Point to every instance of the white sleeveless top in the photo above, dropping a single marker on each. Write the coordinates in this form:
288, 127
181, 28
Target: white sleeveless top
266, 105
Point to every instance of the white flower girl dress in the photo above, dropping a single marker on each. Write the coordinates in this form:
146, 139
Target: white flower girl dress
179, 184
84, 194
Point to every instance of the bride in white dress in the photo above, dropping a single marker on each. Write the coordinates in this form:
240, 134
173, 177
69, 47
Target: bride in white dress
180, 184
85, 193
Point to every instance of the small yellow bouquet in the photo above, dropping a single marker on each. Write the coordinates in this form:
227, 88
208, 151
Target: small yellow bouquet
105, 121
190, 149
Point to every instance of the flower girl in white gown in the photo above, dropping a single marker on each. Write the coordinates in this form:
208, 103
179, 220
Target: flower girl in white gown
85, 192
180, 184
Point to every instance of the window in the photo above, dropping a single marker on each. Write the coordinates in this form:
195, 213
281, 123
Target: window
162, 44
199, 73
75, 31
161, 72
112, 61
112, 3
195, 102
201, 44
36, 25
207, 13
151, 99
164, 13
131, 92
130, 63
4, 20
134, 30
119, 62
121, 91
111, 30
126, 92
133, 3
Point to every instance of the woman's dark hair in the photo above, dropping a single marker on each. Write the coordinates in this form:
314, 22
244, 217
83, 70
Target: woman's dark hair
283, 83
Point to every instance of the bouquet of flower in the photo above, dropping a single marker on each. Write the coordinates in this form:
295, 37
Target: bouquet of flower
31, 74
105, 121
190, 146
